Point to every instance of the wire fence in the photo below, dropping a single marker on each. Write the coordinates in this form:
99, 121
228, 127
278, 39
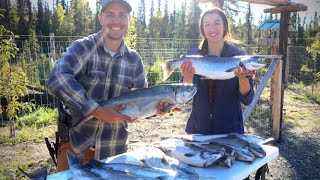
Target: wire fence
38, 59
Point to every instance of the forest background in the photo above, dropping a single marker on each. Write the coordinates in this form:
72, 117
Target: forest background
29, 18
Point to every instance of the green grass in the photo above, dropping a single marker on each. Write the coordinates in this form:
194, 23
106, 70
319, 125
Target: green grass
301, 111
32, 127
41, 117
306, 92
12, 169
27, 134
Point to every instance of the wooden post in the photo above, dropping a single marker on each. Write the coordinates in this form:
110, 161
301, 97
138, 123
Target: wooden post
275, 97
52, 46
283, 42
150, 51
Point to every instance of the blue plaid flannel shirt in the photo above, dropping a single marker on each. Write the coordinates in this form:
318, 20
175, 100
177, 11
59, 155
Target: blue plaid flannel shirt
87, 74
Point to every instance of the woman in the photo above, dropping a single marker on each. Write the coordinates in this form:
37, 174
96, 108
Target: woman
216, 107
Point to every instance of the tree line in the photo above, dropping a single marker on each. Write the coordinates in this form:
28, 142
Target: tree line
75, 18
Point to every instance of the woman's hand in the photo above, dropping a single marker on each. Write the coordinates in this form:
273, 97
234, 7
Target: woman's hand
165, 107
244, 86
242, 72
187, 72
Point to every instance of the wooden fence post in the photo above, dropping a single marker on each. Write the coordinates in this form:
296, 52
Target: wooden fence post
283, 43
150, 51
275, 97
52, 46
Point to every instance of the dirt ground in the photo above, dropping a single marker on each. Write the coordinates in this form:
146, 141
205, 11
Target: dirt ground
299, 146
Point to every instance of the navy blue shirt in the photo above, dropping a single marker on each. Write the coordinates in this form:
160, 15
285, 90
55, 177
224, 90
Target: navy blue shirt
224, 115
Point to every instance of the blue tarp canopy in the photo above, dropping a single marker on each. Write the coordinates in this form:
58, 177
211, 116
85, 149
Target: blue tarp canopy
269, 25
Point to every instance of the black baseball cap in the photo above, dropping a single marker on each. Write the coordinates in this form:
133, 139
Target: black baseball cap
125, 3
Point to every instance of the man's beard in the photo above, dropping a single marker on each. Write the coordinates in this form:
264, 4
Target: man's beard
115, 38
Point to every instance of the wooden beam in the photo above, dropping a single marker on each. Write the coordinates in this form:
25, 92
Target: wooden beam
261, 2
280, 9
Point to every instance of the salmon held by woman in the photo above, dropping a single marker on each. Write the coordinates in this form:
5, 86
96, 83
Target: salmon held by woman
213, 67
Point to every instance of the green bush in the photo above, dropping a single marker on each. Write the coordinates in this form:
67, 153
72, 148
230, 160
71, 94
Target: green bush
39, 118
154, 74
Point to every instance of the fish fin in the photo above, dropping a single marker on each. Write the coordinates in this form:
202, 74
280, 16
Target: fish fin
169, 108
74, 159
166, 70
39, 174
231, 69
94, 162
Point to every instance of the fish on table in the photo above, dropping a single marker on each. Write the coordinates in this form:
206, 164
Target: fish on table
95, 170
232, 146
213, 67
75, 163
229, 153
136, 170
156, 158
142, 103
240, 141
189, 153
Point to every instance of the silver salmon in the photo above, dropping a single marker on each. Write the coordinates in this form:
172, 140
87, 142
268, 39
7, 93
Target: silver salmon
95, 170
136, 170
239, 142
213, 67
189, 153
142, 103
155, 158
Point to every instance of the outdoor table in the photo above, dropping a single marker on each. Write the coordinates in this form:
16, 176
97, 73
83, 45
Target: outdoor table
238, 171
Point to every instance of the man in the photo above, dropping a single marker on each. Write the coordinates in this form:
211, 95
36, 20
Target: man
95, 68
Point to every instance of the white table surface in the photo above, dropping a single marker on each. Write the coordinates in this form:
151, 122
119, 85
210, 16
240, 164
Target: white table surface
238, 171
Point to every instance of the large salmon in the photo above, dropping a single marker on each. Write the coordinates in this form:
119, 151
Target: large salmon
213, 67
142, 103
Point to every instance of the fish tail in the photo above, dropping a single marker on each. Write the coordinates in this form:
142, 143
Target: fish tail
166, 70
74, 159
95, 163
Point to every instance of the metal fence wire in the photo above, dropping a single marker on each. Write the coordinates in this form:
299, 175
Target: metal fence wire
38, 60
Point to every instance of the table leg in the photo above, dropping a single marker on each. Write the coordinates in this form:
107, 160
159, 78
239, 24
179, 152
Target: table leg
261, 172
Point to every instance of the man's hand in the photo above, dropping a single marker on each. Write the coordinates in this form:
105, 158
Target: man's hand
110, 114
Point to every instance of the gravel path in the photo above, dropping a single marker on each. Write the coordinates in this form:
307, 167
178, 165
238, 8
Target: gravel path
299, 157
